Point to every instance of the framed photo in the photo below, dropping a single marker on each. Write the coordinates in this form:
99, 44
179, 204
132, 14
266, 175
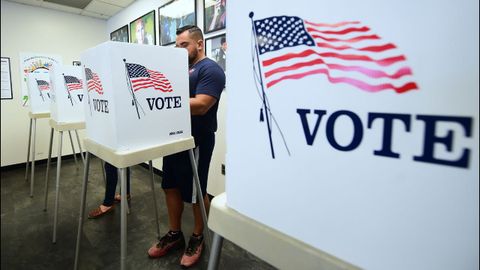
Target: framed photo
120, 34
216, 49
7, 92
174, 15
76, 63
215, 15
142, 30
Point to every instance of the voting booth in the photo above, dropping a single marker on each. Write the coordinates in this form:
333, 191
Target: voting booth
360, 138
39, 91
67, 114
67, 93
38, 84
137, 109
136, 95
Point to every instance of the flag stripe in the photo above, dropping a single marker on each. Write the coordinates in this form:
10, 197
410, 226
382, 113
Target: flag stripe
357, 83
382, 62
379, 48
345, 31
76, 86
366, 71
333, 25
349, 40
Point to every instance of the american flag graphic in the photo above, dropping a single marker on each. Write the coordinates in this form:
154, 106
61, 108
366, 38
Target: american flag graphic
73, 83
291, 48
43, 85
142, 77
93, 81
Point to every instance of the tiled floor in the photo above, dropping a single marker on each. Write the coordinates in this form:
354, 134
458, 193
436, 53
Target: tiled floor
26, 230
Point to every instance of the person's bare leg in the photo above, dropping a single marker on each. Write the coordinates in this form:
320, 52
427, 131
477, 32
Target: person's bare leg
197, 215
174, 202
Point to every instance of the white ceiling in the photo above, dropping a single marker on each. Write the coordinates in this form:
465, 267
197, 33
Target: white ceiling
100, 9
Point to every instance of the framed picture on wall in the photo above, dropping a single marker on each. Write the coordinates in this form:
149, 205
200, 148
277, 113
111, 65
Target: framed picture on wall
215, 14
7, 92
216, 49
142, 30
174, 15
120, 34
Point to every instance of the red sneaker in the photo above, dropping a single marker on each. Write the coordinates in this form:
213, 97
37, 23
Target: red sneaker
168, 242
193, 251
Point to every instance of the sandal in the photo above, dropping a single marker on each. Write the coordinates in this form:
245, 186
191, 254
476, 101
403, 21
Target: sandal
118, 198
97, 212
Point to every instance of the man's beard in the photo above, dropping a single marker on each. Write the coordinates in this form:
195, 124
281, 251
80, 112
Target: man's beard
192, 58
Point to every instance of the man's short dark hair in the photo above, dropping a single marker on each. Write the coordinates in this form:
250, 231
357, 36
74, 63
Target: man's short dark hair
223, 40
193, 30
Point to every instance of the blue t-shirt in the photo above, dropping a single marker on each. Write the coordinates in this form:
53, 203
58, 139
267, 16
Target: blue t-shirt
206, 77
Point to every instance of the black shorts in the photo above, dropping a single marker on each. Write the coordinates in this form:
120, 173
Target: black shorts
177, 169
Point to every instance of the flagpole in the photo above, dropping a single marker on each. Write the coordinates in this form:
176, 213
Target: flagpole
86, 86
130, 86
66, 88
263, 90
39, 90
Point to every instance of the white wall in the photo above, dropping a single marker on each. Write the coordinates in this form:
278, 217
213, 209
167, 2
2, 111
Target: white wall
216, 181
34, 29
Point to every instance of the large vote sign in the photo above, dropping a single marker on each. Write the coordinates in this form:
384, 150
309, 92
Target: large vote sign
67, 94
353, 126
38, 85
137, 96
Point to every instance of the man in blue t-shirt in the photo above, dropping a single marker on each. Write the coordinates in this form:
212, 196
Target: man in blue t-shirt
207, 81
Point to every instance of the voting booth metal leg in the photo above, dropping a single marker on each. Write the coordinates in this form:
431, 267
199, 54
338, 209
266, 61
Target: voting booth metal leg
103, 172
32, 180
28, 151
120, 191
123, 219
82, 208
201, 200
73, 149
150, 163
80, 147
215, 252
48, 168
57, 187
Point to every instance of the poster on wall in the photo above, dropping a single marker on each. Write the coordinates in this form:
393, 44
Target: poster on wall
6, 79
35, 63
142, 30
174, 15
215, 15
216, 49
120, 34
